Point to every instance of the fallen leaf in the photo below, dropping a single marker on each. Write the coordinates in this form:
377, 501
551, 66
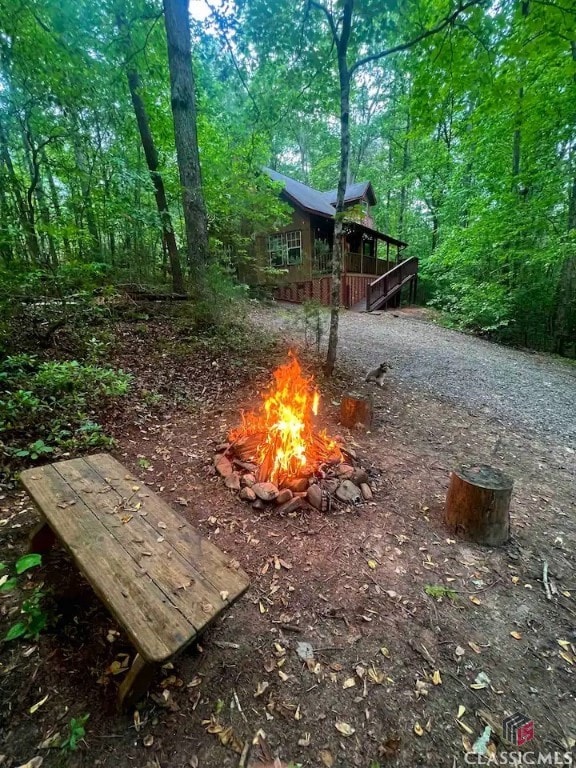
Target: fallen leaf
304, 741
148, 740
372, 564
137, 721
474, 599
385, 652
344, 728
475, 648
567, 657
261, 687
461, 711
36, 762
51, 742
459, 651
283, 676
418, 730
436, 679
350, 682
376, 675
36, 707
465, 727
516, 635
326, 757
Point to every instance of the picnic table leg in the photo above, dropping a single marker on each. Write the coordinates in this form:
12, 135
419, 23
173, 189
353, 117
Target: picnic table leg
42, 538
136, 683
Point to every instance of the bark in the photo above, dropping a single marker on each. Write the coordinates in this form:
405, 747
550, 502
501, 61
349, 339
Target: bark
33, 157
478, 505
26, 219
85, 188
183, 103
565, 316
55, 200
338, 245
404, 188
151, 155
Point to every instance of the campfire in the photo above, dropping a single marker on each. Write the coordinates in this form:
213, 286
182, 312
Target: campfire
280, 454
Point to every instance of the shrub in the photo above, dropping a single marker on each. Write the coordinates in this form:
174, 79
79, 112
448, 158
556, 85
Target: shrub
45, 407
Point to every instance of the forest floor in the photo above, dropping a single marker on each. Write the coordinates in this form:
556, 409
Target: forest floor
397, 669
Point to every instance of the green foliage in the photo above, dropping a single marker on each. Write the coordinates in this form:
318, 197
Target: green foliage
76, 732
45, 407
314, 322
33, 618
438, 591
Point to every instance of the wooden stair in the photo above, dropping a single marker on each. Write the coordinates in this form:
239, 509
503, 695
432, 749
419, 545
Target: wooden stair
389, 285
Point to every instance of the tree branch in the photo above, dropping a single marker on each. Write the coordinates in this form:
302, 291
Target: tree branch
331, 22
450, 19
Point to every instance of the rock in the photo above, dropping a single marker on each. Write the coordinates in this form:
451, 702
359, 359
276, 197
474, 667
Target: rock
258, 504
223, 466
348, 492
247, 494
297, 484
359, 476
284, 496
232, 481
345, 471
248, 480
247, 466
330, 484
291, 506
305, 651
265, 491
366, 491
314, 496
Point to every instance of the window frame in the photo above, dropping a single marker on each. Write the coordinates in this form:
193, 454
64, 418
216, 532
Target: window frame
279, 246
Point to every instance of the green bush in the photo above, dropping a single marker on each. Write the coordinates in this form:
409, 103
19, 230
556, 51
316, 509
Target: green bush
45, 407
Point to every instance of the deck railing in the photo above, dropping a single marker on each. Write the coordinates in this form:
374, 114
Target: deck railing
365, 265
389, 284
355, 263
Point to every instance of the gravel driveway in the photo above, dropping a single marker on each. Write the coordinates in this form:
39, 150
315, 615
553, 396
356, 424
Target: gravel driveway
530, 391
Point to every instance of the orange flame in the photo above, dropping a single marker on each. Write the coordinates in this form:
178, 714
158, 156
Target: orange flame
286, 445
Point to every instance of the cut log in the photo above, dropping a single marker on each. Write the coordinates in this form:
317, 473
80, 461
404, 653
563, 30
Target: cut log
478, 504
356, 411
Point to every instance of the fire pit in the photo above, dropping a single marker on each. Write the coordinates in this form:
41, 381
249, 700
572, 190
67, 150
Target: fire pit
279, 454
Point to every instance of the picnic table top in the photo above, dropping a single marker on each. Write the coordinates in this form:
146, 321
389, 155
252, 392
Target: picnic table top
159, 578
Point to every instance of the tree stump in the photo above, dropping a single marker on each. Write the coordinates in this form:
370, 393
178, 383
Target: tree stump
356, 411
478, 504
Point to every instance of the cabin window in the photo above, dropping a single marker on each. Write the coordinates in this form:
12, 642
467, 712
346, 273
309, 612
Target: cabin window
285, 249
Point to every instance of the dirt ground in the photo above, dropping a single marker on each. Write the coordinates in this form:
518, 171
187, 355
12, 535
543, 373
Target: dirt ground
397, 673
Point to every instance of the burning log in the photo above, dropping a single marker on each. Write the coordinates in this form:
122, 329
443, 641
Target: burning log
281, 437
478, 504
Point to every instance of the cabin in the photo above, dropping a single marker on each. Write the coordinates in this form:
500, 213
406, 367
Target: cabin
374, 269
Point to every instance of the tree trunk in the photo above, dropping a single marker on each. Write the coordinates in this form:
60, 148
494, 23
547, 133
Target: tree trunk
478, 505
33, 157
159, 192
85, 187
56, 205
26, 219
177, 21
356, 411
338, 245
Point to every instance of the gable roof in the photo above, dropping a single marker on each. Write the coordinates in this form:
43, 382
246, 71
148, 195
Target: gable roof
314, 201
353, 192
309, 199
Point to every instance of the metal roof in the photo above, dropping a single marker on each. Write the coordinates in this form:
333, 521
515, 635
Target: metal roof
314, 201
310, 199
353, 192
